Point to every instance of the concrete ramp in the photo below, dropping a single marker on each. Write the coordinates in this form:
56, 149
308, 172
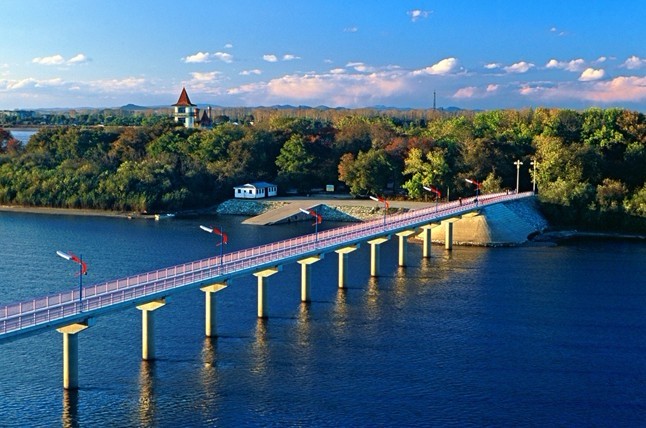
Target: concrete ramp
501, 224
284, 214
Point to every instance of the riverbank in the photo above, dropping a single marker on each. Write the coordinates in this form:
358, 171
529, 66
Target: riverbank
342, 210
569, 235
65, 211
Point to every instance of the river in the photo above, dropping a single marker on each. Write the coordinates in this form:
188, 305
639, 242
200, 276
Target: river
525, 336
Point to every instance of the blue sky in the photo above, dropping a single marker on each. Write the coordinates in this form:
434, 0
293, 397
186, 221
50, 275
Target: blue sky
482, 54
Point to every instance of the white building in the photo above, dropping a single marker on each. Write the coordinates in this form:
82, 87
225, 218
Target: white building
256, 190
186, 113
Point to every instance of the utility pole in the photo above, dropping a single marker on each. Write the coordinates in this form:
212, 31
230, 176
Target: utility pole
534, 163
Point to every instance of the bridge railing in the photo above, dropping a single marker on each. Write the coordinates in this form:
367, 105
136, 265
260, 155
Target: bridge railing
48, 308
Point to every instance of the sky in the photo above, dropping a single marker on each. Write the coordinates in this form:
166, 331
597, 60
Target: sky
474, 54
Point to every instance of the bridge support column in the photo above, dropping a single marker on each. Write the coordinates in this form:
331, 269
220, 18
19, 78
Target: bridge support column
305, 275
262, 289
148, 328
343, 258
210, 309
448, 235
71, 353
425, 235
375, 254
403, 246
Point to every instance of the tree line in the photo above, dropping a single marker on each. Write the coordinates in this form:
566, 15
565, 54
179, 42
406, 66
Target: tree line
590, 165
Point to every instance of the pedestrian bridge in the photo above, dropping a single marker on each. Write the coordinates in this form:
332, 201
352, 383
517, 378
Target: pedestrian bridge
73, 311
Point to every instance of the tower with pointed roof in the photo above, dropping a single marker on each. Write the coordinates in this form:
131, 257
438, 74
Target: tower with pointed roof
186, 112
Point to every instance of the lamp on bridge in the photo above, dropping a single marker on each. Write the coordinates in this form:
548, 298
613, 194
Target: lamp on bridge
518, 163
475, 183
438, 194
319, 220
82, 271
385, 202
224, 239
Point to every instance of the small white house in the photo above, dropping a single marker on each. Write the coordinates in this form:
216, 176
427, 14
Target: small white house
256, 190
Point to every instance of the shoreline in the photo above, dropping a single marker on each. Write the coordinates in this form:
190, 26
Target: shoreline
547, 236
67, 211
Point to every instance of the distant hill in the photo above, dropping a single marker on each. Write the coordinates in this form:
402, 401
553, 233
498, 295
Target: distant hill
134, 107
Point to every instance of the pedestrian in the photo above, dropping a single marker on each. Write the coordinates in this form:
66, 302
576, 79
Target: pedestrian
460, 200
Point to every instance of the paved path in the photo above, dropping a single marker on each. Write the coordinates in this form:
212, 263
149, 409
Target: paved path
296, 203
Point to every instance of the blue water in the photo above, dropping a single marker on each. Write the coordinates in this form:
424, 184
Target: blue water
22, 134
528, 336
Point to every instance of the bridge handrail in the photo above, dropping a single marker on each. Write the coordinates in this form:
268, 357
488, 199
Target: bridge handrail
104, 294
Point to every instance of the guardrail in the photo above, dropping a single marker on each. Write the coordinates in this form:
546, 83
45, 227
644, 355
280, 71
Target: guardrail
48, 309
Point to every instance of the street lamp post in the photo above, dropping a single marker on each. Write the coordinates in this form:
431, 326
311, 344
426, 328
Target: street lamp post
534, 163
475, 183
224, 239
386, 205
319, 220
438, 194
82, 271
518, 163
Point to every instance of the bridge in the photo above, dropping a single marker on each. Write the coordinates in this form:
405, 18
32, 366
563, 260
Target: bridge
73, 311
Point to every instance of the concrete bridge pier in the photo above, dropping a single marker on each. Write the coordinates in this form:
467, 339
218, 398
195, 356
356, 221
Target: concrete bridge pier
426, 239
403, 246
71, 353
306, 264
148, 328
343, 258
210, 309
448, 235
375, 253
262, 288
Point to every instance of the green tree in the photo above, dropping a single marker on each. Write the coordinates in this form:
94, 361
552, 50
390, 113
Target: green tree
424, 170
368, 173
296, 164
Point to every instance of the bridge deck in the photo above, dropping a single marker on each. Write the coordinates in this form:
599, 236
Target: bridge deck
64, 308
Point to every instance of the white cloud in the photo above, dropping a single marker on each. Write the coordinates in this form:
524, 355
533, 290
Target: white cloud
224, 57
60, 60
341, 89
78, 59
574, 65
417, 14
619, 89
601, 59
557, 31
204, 57
118, 85
634, 63
467, 92
270, 58
590, 74
228, 46
206, 77
492, 88
49, 60
255, 71
350, 30
360, 67
199, 57
492, 66
290, 57
442, 67
519, 67
337, 71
